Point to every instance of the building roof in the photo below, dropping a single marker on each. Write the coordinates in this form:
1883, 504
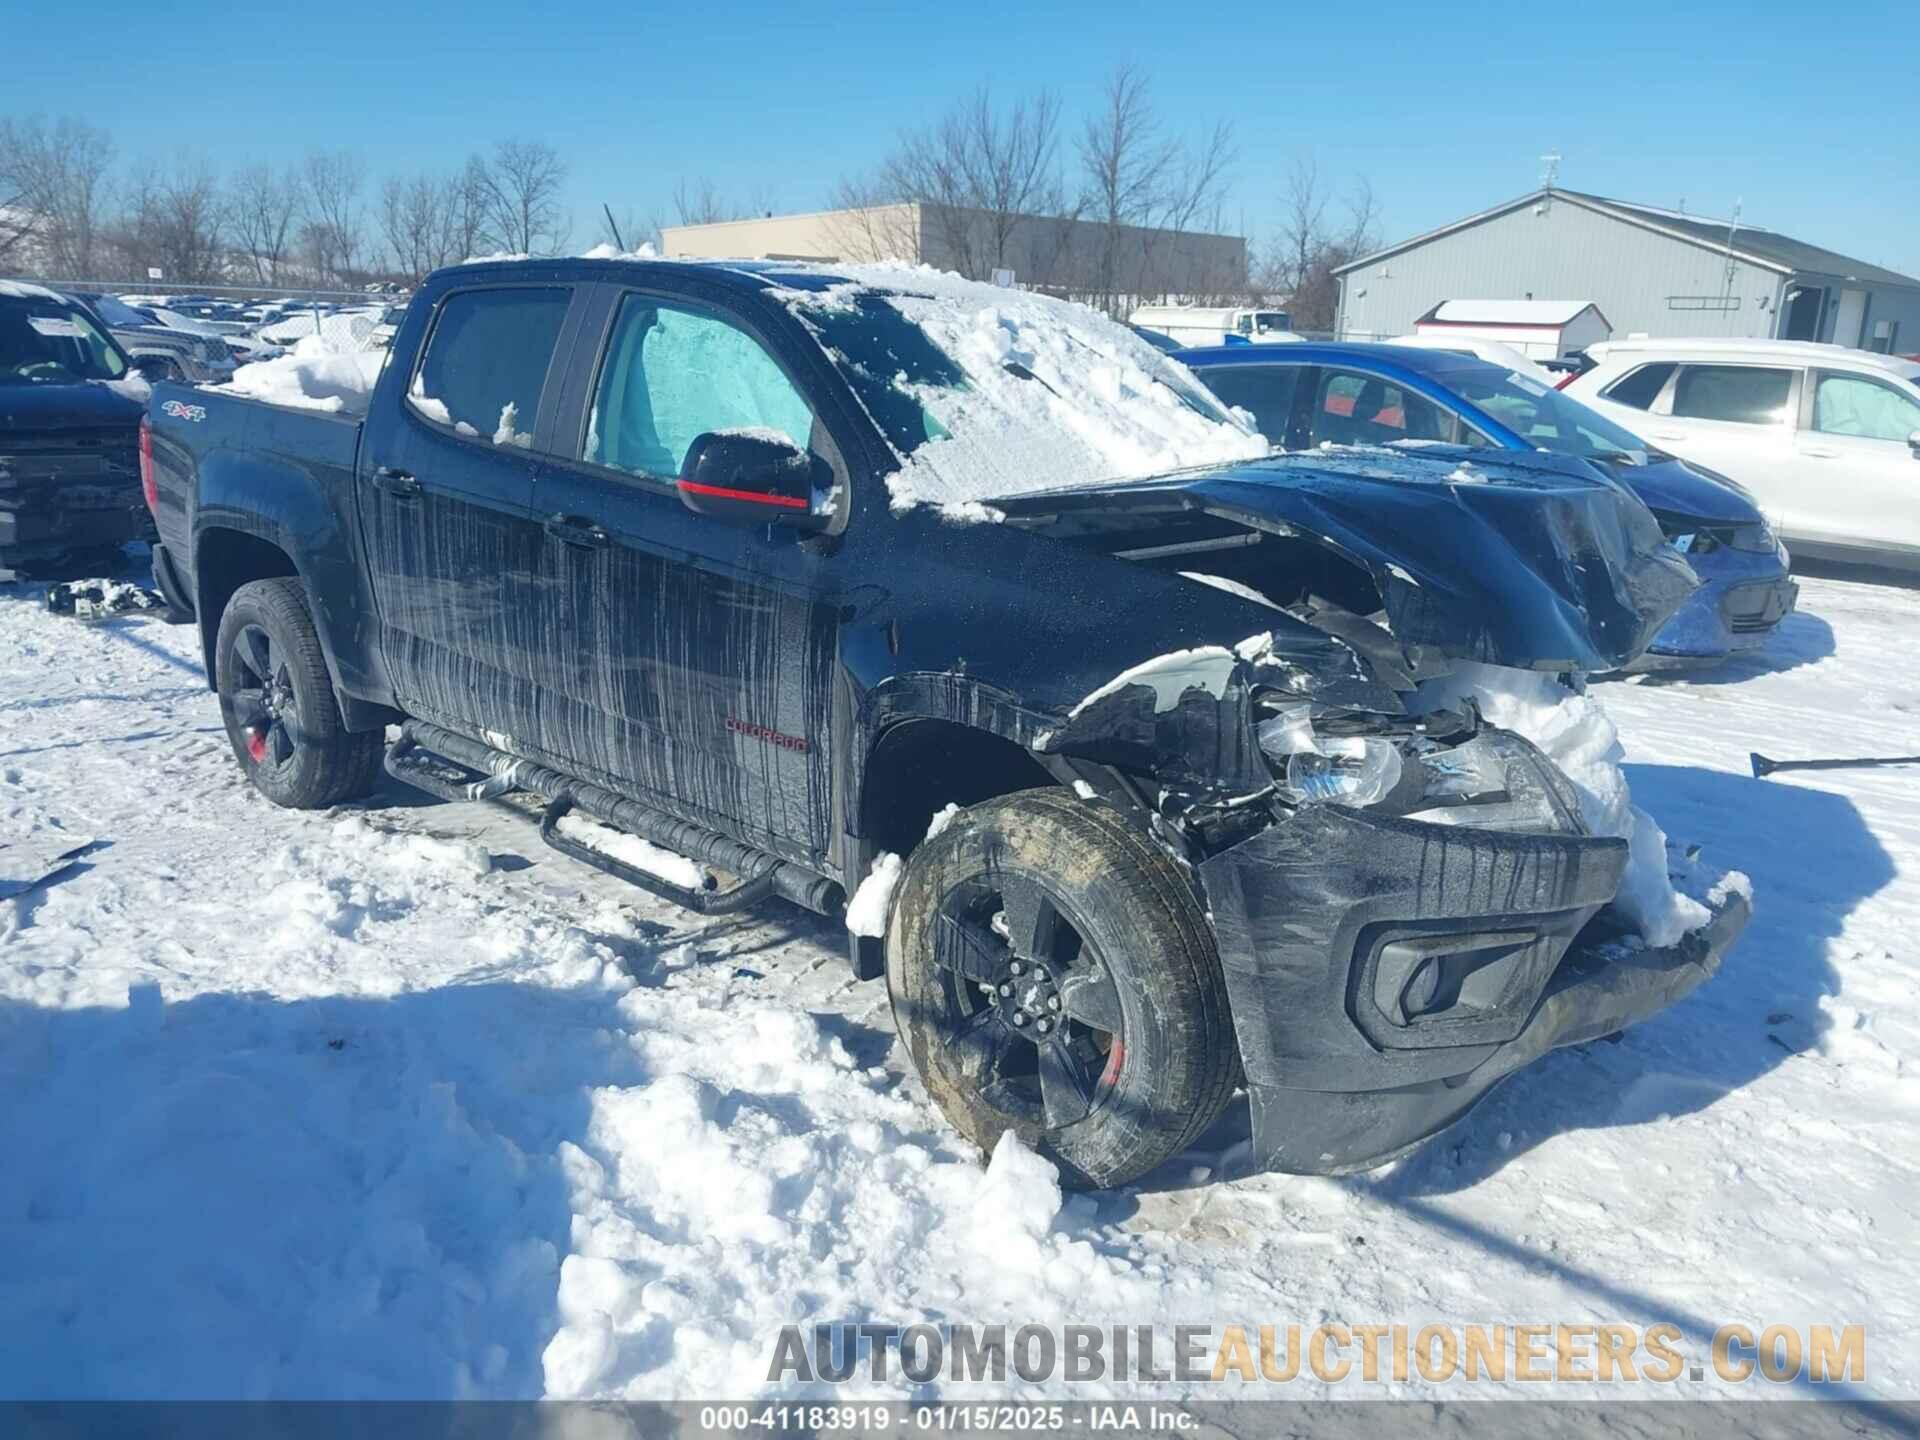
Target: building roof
1765, 248
1550, 313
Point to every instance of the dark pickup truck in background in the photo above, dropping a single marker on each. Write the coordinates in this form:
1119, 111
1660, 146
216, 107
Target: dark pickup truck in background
69, 482
614, 540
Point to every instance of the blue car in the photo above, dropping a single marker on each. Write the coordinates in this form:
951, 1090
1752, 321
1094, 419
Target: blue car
1308, 395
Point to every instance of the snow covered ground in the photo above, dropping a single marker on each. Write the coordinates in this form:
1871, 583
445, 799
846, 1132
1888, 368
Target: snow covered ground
394, 1102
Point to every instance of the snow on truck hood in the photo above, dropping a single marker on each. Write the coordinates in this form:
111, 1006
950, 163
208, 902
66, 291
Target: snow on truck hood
1017, 392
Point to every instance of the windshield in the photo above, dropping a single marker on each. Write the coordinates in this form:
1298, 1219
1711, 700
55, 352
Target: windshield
49, 342
988, 391
1543, 417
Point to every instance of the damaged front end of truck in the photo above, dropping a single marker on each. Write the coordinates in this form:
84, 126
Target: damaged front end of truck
1409, 902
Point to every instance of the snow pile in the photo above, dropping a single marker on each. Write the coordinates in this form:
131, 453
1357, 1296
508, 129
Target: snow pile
316, 375
1056, 394
606, 250
867, 911
1575, 733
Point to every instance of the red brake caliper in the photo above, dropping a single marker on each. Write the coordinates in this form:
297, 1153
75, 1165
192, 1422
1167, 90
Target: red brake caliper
257, 743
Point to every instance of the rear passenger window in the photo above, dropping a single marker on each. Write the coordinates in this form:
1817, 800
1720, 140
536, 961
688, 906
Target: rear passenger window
486, 362
672, 375
1264, 391
1639, 388
1743, 394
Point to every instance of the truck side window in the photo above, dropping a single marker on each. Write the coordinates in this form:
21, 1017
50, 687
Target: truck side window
486, 362
672, 374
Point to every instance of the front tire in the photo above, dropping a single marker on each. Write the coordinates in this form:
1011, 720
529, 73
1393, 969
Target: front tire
282, 717
1052, 973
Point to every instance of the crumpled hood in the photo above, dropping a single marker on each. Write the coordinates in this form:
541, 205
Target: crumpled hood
1514, 559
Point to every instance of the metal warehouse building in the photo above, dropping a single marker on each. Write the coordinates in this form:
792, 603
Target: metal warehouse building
1652, 272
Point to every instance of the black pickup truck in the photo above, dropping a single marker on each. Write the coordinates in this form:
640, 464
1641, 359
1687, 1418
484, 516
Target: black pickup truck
69, 483
641, 542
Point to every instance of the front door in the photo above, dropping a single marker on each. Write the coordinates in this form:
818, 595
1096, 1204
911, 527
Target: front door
446, 485
705, 651
1858, 472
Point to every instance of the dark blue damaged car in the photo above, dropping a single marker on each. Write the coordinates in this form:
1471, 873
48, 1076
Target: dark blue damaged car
1122, 748
1304, 396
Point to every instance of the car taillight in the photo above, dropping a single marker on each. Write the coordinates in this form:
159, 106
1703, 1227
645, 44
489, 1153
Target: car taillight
147, 486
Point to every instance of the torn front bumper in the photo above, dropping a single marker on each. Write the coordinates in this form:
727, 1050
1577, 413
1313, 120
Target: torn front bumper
1385, 973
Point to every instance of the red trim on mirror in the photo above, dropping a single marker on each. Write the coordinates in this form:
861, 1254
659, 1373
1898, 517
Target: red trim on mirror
752, 497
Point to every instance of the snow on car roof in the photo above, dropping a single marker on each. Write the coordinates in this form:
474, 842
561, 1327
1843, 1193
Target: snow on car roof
1048, 394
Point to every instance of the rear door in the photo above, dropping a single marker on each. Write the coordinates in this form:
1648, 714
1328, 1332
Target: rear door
446, 486
1858, 472
703, 651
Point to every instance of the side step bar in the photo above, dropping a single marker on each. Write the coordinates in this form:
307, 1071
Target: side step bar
709, 900
453, 767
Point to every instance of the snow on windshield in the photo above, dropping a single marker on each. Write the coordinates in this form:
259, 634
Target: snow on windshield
1036, 393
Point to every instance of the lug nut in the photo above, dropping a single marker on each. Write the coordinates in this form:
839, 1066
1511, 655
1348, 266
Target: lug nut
1045, 1025
1006, 988
1017, 968
1020, 1018
1053, 1002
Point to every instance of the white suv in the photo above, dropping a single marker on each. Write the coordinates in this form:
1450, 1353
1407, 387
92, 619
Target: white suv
1827, 439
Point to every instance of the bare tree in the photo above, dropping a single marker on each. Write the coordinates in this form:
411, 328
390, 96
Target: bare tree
415, 216
983, 176
262, 208
524, 207
470, 197
176, 220
332, 234
699, 202
53, 195
1138, 180
1312, 244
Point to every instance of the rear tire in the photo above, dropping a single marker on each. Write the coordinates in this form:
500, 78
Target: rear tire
282, 717
1105, 1041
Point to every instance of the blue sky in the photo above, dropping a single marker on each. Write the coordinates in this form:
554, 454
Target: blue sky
1809, 116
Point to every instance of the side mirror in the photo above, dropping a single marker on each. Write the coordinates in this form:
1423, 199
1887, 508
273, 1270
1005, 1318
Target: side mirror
1913, 444
750, 477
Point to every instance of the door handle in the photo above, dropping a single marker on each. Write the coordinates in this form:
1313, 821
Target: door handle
576, 530
1669, 435
401, 483
1820, 453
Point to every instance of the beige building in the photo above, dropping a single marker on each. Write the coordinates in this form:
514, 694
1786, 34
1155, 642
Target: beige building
1060, 256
